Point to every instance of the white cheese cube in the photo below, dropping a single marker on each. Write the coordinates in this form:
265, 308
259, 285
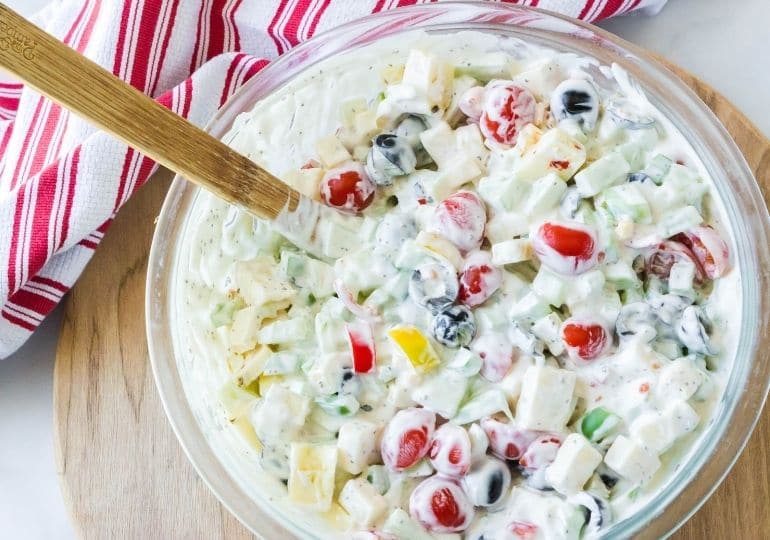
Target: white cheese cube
460, 170
470, 142
504, 193
657, 431
285, 331
259, 284
401, 525
681, 277
631, 460
511, 251
243, 332
680, 418
602, 173
440, 142
306, 181
546, 401
365, 125
545, 194
547, 329
680, 379
574, 464
327, 371
336, 239
279, 416
330, 151
504, 226
359, 499
357, 444
430, 76
442, 393
556, 152
550, 287
311, 475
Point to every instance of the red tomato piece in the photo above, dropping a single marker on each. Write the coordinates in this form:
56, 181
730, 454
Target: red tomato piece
506, 441
586, 340
566, 248
347, 188
450, 451
541, 452
441, 505
660, 258
460, 218
479, 279
362, 348
523, 530
407, 437
709, 249
507, 109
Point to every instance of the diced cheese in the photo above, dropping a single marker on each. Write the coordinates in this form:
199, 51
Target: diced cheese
470, 142
504, 193
357, 444
279, 416
680, 379
440, 142
556, 152
337, 240
529, 308
285, 331
259, 283
243, 332
359, 499
602, 173
253, 365
311, 475
442, 393
546, 401
430, 75
511, 251
306, 181
631, 460
504, 226
574, 464
658, 431
460, 170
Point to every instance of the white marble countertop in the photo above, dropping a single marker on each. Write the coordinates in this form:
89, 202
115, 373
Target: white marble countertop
692, 33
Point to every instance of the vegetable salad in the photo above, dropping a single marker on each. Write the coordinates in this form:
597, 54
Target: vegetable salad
516, 324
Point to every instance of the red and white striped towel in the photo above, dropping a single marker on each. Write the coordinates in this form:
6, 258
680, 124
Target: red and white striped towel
62, 181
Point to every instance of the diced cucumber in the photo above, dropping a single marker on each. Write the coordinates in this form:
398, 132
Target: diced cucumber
377, 476
530, 308
465, 362
308, 273
547, 329
598, 423
550, 287
223, 312
622, 276
629, 296
410, 255
235, 400
503, 192
602, 173
338, 405
285, 331
442, 393
484, 404
681, 278
657, 168
492, 65
610, 304
506, 225
401, 525
282, 363
545, 194
627, 201
679, 220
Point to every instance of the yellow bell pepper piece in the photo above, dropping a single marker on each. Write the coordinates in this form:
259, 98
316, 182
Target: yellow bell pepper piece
416, 347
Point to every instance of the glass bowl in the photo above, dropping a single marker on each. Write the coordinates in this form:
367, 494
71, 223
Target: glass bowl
213, 447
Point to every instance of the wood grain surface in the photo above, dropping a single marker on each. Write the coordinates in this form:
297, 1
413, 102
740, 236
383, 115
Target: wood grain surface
122, 472
46, 64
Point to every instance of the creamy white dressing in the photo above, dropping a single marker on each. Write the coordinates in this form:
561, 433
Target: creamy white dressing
281, 133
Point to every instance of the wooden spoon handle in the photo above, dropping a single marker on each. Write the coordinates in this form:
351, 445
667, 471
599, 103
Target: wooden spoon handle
83, 87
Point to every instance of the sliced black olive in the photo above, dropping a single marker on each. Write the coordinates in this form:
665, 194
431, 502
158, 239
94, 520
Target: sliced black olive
454, 326
578, 100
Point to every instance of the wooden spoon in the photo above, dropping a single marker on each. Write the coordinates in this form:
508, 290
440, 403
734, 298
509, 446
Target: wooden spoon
85, 88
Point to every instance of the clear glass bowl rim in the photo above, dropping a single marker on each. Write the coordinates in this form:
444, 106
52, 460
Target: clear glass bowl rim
749, 382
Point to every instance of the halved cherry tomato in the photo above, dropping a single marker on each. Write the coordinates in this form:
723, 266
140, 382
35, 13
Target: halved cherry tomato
460, 218
661, 257
406, 438
586, 340
709, 249
362, 348
450, 451
347, 188
507, 109
441, 505
506, 441
479, 279
523, 530
566, 248
541, 452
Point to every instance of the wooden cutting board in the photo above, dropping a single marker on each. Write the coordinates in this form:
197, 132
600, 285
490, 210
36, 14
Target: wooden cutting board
122, 472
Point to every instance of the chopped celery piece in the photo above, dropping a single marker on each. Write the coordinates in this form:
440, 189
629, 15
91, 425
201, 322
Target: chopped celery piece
484, 404
657, 168
223, 312
680, 220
